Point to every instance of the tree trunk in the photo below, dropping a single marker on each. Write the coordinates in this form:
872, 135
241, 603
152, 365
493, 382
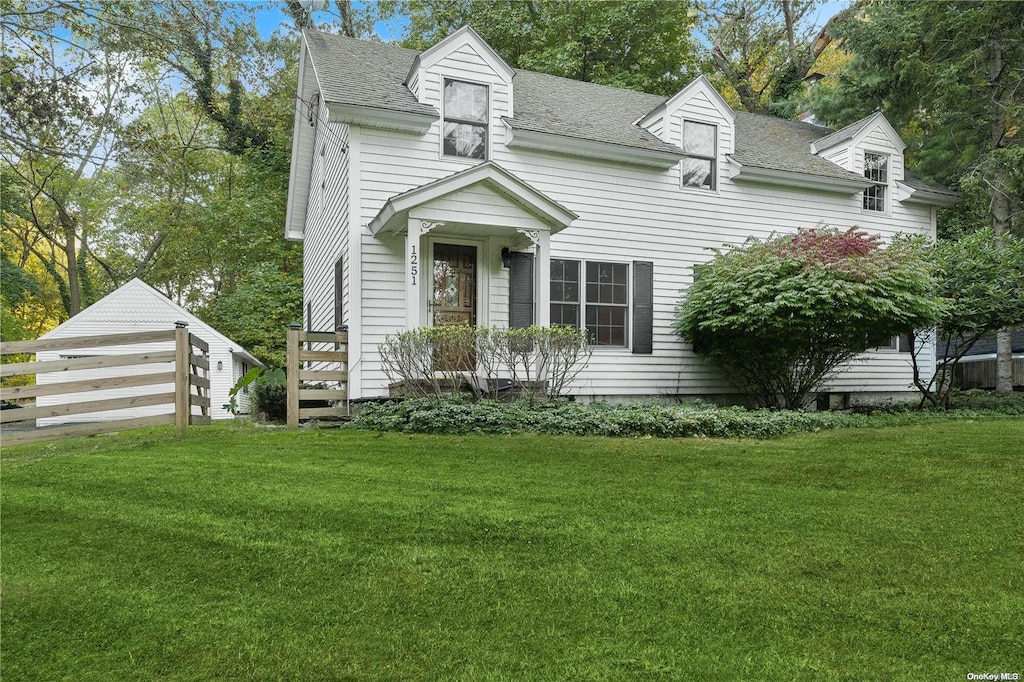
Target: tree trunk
1000, 203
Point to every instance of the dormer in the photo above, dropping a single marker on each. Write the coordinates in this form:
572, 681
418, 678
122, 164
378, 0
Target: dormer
700, 122
466, 80
871, 148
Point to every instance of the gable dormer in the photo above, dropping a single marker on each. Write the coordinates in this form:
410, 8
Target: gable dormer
871, 148
700, 122
466, 80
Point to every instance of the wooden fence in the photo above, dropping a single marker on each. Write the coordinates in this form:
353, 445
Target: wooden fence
982, 373
298, 375
190, 358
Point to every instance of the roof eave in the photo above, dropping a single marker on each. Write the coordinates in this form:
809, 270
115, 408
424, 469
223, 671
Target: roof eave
378, 117
574, 146
389, 221
247, 356
785, 178
928, 197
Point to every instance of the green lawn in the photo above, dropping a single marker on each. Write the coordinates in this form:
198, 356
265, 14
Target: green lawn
336, 555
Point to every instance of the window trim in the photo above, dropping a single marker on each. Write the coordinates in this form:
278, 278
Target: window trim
903, 343
886, 186
445, 78
582, 302
714, 189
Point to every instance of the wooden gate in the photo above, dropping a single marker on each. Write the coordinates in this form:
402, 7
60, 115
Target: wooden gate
306, 364
191, 370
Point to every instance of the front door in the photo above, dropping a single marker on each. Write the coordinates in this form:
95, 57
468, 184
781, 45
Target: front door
454, 295
453, 303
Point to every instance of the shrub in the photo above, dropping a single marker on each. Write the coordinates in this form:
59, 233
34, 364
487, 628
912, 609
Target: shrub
438, 360
981, 282
269, 396
456, 415
780, 317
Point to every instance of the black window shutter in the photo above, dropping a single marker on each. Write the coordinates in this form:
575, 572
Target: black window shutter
338, 312
520, 294
643, 307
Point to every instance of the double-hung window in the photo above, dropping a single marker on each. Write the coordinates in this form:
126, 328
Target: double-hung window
603, 299
565, 292
465, 119
876, 169
700, 144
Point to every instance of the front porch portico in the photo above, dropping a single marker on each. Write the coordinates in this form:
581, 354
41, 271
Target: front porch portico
453, 227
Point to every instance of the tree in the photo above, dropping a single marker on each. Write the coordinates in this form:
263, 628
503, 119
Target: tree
948, 74
63, 106
981, 283
188, 191
637, 44
258, 310
780, 317
762, 48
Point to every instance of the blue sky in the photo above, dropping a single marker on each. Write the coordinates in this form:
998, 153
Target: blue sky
271, 18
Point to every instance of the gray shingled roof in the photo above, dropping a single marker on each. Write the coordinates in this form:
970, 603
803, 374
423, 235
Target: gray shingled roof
549, 104
373, 74
841, 135
364, 73
914, 181
781, 144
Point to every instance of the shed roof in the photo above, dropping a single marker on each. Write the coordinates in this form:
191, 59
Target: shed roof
136, 302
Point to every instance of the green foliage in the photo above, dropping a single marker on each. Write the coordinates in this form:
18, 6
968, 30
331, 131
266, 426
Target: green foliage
143, 140
437, 360
243, 382
257, 311
269, 396
636, 44
455, 416
947, 75
981, 284
761, 49
780, 317
976, 400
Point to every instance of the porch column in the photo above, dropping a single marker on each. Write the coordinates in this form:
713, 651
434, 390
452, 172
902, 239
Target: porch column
542, 279
413, 274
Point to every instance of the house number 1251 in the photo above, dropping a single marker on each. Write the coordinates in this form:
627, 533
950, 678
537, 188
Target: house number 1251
413, 260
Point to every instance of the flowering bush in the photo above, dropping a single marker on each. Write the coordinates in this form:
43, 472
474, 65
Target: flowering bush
780, 317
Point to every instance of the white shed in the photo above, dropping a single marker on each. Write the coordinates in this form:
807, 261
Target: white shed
138, 307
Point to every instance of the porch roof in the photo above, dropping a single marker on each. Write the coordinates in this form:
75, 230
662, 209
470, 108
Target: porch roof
485, 195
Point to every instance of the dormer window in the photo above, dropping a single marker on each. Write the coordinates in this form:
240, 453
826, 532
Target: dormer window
876, 169
700, 144
465, 119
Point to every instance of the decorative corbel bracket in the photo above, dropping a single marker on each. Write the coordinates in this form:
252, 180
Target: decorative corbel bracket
532, 235
429, 225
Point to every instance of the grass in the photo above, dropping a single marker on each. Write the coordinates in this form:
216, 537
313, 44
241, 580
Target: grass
242, 554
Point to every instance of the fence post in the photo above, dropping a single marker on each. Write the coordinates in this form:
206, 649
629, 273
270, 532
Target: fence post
182, 383
292, 369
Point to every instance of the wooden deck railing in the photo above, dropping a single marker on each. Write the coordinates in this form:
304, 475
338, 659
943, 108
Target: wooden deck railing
191, 371
297, 374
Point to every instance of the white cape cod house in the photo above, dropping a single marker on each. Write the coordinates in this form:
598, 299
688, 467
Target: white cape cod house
446, 187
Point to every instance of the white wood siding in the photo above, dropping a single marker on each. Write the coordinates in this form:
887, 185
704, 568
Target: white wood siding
626, 213
877, 141
465, 63
327, 221
842, 157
